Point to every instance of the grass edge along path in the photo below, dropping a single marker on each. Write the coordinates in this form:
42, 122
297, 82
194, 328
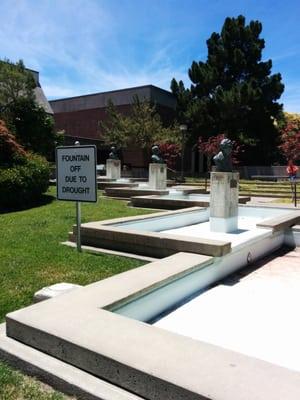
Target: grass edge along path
32, 256
16, 386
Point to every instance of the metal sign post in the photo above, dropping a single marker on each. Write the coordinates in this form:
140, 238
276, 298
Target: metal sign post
78, 218
76, 178
78, 224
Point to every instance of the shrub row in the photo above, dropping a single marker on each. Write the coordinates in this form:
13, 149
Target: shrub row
22, 184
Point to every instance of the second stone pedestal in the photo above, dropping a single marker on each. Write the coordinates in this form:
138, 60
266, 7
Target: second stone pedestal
224, 198
158, 176
113, 169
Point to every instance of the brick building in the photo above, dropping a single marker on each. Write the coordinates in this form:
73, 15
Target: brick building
79, 117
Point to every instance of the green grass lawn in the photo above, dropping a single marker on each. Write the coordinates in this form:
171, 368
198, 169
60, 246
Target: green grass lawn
31, 257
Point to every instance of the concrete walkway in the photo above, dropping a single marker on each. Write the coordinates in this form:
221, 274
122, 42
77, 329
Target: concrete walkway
272, 201
254, 312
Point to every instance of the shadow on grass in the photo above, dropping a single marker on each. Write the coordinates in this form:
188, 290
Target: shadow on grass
42, 201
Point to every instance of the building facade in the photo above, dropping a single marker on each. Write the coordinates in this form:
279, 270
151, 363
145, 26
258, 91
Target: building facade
80, 117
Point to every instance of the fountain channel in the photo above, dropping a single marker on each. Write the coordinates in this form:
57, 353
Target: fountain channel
258, 234
142, 331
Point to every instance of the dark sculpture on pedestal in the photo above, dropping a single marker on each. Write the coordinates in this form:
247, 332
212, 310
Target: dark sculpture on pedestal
223, 158
156, 156
113, 153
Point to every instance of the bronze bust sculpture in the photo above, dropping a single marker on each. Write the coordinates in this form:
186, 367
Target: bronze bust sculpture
223, 158
113, 153
156, 156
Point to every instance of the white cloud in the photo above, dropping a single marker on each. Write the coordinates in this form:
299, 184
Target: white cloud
77, 46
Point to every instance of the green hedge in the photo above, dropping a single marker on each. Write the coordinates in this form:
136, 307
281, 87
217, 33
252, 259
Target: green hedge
24, 183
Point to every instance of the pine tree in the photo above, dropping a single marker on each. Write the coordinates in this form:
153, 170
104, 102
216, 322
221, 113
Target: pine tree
233, 92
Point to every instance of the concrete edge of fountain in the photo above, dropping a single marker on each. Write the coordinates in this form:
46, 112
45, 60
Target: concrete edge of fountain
128, 192
142, 238
59, 374
195, 369
174, 203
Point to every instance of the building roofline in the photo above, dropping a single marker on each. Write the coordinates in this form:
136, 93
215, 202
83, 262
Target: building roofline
113, 91
33, 70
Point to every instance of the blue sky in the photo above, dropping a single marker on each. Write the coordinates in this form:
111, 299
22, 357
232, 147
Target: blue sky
86, 46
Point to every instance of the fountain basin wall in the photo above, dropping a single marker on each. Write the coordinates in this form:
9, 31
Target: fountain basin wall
114, 184
162, 234
151, 305
142, 235
144, 189
174, 201
148, 361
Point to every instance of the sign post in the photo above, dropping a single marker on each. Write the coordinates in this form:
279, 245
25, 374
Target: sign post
76, 178
78, 225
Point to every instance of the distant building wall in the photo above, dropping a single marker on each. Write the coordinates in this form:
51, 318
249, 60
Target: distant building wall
80, 117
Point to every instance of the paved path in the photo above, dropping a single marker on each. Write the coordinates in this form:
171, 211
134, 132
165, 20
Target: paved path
255, 200
254, 312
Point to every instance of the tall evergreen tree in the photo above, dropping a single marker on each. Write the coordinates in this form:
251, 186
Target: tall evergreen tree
233, 92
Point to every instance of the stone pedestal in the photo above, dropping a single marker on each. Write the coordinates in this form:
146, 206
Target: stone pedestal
158, 176
224, 199
113, 169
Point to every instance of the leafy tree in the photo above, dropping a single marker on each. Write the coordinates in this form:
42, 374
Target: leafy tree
115, 129
141, 128
211, 147
170, 153
32, 126
290, 137
15, 82
24, 176
233, 91
10, 149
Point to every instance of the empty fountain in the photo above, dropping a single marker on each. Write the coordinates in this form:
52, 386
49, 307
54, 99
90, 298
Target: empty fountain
132, 342
113, 173
156, 184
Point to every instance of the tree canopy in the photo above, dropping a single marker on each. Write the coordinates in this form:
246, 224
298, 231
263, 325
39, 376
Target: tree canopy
10, 149
290, 137
233, 91
142, 127
15, 82
31, 125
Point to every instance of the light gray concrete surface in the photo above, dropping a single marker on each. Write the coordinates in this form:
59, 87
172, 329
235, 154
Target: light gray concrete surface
48, 292
155, 244
58, 374
281, 223
149, 361
113, 169
158, 176
161, 202
128, 192
91, 249
253, 312
106, 185
224, 200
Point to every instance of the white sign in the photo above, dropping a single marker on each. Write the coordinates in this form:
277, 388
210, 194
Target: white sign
76, 178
